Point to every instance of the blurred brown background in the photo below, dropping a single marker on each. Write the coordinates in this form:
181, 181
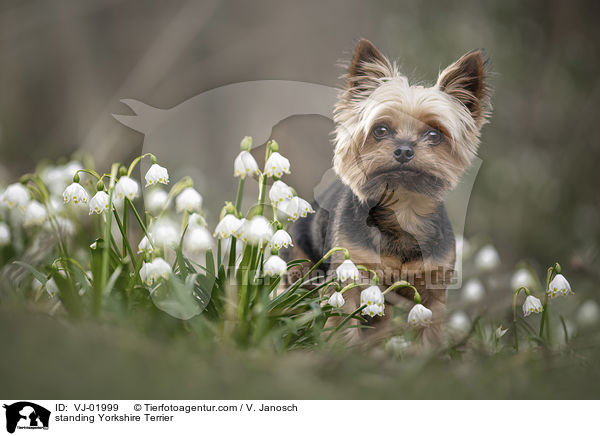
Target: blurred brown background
64, 66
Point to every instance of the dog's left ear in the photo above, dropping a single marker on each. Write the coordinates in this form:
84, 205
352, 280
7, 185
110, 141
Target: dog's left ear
466, 80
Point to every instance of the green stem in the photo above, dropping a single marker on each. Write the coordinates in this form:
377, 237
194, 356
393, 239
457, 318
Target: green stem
319, 262
140, 222
514, 310
404, 284
373, 273
124, 230
545, 319
126, 245
97, 300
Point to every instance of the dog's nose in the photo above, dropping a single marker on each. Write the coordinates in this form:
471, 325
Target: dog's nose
404, 153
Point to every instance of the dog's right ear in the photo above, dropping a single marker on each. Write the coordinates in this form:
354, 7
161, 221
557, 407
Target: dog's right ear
368, 66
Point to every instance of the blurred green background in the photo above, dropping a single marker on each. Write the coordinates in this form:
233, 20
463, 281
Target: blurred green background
64, 66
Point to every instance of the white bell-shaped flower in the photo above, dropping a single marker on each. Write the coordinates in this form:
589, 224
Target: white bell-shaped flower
155, 200
189, 200
281, 239
420, 316
336, 300
15, 195
126, 187
161, 268
258, 230
275, 266
99, 202
372, 296
588, 314
4, 234
473, 291
196, 220
75, 193
521, 278
277, 165
165, 233
227, 227
298, 207
145, 245
35, 214
244, 165
197, 240
279, 192
500, 331
532, 305
156, 174
459, 322
559, 286
373, 310
487, 258
347, 271
146, 273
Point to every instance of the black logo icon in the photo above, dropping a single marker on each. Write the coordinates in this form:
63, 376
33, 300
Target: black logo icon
24, 414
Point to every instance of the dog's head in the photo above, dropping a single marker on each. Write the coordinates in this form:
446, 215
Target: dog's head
393, 136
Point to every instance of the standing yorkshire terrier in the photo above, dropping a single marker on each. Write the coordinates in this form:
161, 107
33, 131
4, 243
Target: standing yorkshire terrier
399, 149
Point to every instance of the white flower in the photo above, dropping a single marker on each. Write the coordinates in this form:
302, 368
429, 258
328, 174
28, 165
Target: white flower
146, 273
500, 332
473, 291
144, 245
459, 322
165, 233
280, 192
76, 193
397, 344
559, 286
588, 313
281, 239
189, 200
196, 220
258, 230
347, 271
336, 300
281, 208
99, 202
420, 316
297, 207
532, 305
51, 287
244, 165
197, 240
373, 310
487, 258
372, 296
150, 272
15, 195
161, 268
156, 174
126, 187
275, 266
4, 234
155, 200
54, 178
277, 165
521, 278
35, 214
227, 227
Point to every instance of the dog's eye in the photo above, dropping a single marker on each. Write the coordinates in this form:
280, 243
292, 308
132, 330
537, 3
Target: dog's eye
433, 136
380, 131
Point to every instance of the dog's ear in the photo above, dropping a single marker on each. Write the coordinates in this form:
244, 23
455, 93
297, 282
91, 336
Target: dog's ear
466, 80
368, 65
